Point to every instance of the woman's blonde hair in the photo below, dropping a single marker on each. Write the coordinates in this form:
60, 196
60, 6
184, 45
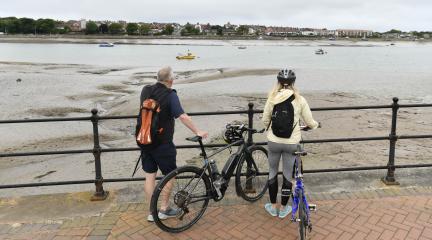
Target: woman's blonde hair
278, 86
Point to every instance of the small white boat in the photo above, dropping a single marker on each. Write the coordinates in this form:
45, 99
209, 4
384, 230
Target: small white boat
320, 51
106, 45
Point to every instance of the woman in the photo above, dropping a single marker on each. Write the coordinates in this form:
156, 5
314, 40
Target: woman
282, 112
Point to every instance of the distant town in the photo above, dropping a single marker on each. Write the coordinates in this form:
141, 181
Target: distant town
13, 25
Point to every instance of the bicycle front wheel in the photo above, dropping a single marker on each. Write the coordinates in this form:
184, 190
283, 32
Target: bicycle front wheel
187, 191
251, 181
302, 224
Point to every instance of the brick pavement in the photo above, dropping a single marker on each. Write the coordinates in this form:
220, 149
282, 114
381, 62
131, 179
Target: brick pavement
382, 214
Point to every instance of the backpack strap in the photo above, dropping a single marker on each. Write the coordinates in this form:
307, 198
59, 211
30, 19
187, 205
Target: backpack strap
148, 92
136, 165
290, 99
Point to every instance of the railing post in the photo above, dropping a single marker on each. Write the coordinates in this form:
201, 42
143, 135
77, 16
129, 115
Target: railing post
390, 178
249, 188
250, 123
100, 194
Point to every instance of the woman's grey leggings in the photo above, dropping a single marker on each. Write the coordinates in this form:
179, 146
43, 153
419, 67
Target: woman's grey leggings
276, 151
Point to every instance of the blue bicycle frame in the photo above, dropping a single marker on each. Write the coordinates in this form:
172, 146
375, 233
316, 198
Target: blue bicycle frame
299, 190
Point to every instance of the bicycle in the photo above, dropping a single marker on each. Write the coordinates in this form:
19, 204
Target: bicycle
194, 187
299, 201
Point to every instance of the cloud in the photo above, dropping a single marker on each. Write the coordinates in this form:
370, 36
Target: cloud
375, 15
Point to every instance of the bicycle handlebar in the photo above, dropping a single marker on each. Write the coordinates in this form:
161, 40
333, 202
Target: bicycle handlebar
307, 128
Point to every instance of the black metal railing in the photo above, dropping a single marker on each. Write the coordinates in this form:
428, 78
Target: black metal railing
101, 194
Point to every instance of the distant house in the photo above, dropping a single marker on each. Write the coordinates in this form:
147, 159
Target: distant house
354, 33
228, 25
123, 23
390, 35
282, 31
309, 33
325, 32
83, 24
75, 26
198, 26
229, 32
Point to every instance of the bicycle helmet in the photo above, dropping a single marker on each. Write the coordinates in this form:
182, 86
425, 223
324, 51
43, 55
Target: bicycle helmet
286, 77
232, 133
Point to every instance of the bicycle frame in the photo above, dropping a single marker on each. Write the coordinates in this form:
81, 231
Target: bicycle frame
227, 172
223, 178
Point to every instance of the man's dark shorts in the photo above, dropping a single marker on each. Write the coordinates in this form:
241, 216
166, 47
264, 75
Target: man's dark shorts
162, 157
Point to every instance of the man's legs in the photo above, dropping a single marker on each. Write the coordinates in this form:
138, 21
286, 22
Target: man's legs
165, 156
166, 192
149, 186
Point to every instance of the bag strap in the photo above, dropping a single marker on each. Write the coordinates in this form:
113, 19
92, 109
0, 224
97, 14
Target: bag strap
136, 165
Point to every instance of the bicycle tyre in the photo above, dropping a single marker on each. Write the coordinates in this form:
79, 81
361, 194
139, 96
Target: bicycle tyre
189, 171
259, 182
302, 216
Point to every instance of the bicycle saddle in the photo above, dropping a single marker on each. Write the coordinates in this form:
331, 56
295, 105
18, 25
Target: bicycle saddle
194, 139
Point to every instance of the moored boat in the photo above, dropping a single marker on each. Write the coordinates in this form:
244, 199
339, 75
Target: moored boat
106, 44
188, 56
320, 51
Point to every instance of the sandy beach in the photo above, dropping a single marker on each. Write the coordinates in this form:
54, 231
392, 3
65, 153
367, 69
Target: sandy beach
42, 90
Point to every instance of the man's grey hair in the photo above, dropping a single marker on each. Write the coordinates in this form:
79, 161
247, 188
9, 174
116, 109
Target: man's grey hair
165, 74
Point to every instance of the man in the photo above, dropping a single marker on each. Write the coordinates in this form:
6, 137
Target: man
163, 154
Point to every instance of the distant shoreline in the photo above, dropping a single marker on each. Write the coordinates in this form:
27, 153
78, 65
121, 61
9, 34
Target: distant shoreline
122, 39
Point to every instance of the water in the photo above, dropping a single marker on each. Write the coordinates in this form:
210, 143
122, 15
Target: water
370, 68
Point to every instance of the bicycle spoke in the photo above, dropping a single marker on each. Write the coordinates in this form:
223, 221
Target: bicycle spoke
188, 194
251, 181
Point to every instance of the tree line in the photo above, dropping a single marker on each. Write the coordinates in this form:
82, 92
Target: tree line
13, 25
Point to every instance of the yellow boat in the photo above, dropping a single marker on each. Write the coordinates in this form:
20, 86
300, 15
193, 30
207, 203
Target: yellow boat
189, 56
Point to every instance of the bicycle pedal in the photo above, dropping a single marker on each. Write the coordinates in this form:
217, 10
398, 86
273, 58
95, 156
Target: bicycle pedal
312, 207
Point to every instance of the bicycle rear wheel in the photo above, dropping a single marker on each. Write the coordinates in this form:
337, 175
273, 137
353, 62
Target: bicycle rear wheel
187, 189
251, 183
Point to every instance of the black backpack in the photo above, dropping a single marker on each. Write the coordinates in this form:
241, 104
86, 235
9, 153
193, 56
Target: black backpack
282, 119
150, 133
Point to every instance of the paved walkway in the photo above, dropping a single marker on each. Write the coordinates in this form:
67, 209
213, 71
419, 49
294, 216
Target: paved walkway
382, 214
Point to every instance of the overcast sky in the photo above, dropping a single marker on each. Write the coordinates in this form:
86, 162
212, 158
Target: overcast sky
378, 15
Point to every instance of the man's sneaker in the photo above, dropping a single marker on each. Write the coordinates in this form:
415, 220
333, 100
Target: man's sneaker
168, 213
284, 211
272, 211
150, 218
